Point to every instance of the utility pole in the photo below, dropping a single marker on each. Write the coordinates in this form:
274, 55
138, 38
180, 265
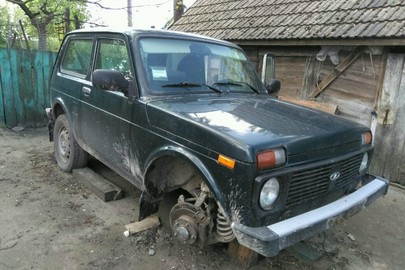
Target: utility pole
67, 20
129, 10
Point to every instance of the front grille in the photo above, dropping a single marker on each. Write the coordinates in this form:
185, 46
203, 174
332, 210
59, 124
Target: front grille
315, 182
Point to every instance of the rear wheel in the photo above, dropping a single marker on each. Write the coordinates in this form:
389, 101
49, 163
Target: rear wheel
68, 154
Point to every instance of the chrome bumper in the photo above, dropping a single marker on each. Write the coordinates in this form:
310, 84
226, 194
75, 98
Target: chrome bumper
269, 240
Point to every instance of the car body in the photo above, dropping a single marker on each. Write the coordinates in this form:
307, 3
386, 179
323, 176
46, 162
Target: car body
169, 110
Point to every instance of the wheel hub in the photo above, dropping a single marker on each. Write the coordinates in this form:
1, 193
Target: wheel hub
64, 144
182, 233
185, 228
184, 220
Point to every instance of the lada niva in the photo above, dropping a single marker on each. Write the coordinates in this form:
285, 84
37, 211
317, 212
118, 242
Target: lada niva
169, 110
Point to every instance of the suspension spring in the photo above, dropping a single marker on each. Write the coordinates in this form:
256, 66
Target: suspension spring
224, 230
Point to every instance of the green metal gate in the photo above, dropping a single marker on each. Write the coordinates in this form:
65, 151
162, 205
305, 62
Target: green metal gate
24, 89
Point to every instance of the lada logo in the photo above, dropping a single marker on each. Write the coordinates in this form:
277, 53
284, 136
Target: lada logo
334, 176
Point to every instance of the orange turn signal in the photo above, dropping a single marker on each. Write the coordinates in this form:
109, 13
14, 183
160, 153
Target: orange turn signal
226, 161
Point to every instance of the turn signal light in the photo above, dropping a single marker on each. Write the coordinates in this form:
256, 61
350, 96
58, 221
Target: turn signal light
226, 161
270, 158
366, 138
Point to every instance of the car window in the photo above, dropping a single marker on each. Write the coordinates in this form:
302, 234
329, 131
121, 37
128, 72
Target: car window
173, 65
77, 56
113, 54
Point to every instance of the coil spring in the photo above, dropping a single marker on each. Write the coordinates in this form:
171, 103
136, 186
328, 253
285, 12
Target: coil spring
224, 230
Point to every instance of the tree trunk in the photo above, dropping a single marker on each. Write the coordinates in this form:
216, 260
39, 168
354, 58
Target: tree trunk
42, 38
77, 22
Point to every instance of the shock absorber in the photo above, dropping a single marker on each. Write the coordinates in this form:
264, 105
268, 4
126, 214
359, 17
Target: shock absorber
224, 230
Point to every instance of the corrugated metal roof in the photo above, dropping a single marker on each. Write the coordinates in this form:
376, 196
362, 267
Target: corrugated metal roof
294, 19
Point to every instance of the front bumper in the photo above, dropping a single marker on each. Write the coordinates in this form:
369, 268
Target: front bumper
269, 240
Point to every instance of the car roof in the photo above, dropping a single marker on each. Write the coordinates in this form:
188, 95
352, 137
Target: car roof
133, 32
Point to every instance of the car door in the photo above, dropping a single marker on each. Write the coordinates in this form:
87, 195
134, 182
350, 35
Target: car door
106, 115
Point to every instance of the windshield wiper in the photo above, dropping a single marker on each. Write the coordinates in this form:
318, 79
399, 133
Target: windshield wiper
236, 84
213, 88
181, 84
188, 84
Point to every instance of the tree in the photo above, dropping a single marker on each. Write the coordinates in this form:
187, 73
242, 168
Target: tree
41, 13
4, 25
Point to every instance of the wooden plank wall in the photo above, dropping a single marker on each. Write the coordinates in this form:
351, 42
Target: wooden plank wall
290, 70
24, 92
354, 91
389, 157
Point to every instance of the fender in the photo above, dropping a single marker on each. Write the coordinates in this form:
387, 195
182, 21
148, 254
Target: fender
59, 101
151, 195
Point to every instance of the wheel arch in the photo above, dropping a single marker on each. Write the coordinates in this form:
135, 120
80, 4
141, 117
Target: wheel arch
154, 188
58, 108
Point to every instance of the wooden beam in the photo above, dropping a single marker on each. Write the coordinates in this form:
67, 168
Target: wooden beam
380, 84
321, 42
337, 71
326, 107
100, 186
145, 224
241, 255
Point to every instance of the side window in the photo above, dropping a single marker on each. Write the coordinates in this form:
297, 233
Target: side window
112, 54
77, 56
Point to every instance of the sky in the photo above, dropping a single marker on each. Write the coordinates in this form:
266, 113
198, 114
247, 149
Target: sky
145, 14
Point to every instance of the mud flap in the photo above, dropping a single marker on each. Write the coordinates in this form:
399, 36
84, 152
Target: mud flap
148, 205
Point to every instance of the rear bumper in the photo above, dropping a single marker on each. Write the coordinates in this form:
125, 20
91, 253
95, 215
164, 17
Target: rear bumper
269, 240
51, 123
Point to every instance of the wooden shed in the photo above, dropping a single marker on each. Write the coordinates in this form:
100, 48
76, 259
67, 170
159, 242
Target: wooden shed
346, 57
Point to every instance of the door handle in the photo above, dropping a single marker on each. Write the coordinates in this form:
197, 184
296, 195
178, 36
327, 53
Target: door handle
86, 91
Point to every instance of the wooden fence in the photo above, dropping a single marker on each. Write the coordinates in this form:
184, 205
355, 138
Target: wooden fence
24, 86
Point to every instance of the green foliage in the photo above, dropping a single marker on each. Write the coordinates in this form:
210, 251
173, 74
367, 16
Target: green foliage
48, 16
10, 31
3, 28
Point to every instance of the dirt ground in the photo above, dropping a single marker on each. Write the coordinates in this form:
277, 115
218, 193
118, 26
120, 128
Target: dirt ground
48, 220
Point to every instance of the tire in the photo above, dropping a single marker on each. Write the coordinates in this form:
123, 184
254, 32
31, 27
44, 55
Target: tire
68, 154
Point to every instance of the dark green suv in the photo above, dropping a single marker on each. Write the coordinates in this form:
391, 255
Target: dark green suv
169, 111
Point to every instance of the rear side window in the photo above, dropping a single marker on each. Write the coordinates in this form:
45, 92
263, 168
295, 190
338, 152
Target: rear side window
77, 57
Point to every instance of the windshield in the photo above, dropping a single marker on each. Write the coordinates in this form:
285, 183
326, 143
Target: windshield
173, 65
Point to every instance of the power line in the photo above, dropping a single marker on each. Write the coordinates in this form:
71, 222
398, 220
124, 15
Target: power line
97, 3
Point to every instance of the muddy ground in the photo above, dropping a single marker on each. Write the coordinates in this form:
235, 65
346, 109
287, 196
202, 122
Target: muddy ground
48, 220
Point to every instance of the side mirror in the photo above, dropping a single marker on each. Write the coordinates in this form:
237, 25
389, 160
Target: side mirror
273, 86
105, 79
269, 74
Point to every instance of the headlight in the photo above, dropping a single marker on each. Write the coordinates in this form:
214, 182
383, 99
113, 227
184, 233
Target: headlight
269, 193
363, 164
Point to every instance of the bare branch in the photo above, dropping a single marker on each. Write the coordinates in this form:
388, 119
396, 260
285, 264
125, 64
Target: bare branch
96, 3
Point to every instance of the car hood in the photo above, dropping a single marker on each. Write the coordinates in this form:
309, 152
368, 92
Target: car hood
240, 126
